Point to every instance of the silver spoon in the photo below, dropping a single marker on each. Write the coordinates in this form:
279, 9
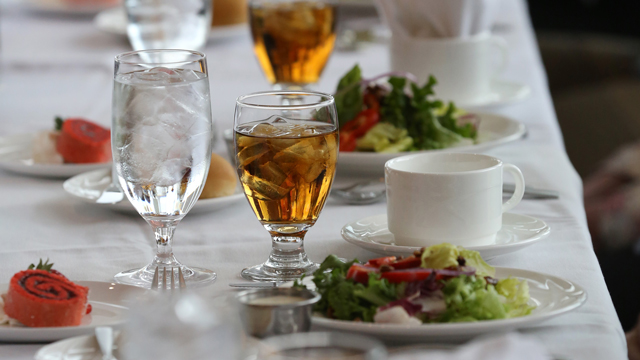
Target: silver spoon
361, 193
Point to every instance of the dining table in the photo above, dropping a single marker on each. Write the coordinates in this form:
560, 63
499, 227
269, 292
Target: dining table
62, 65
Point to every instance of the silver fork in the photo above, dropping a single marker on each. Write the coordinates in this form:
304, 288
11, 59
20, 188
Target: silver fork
156, 280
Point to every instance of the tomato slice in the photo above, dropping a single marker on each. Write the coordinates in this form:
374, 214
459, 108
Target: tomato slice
360, 273
362, 122
377, 262
407, 263
407, 275
347, 141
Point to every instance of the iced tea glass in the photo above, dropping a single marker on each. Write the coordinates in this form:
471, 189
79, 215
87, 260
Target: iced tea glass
286, 155
292, 39
161, 141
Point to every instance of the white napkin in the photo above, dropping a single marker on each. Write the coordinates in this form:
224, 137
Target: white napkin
438, 18
504, 347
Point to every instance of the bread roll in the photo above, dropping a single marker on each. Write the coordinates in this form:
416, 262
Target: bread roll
221, 180
229, 12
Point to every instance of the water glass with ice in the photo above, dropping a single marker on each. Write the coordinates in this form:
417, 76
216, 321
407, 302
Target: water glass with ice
161, 141
168, 24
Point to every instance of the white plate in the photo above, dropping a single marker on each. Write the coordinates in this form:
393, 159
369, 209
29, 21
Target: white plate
77, 348
552, 295
494, 130
517, 232
501, 93
88, 187
114, 21
109, 308
15, 156
63, 7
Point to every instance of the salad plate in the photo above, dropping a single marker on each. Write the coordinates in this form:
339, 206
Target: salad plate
15, 156
493, 130
69, 7
517, 232
552, 296
109, 303
88, 187
114, 21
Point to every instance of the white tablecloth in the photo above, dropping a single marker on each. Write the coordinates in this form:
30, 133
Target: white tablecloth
63, 66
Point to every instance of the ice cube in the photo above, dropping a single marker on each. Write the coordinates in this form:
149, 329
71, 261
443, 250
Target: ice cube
272, 173
251, 153
150, 77
264, 190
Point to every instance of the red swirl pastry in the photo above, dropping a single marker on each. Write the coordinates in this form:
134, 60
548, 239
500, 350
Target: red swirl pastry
38, 298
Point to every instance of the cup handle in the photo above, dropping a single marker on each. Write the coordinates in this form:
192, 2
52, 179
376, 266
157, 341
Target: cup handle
501, 44
519, 190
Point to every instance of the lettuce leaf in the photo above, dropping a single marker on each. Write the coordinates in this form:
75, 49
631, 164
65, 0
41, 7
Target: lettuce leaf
345, 299
384, 137
473, 259
348, 96
516, 294
440, 256
468, 298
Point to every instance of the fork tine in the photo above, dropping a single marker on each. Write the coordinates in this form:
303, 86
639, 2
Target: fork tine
172, 281
154, 283
164, 278
181, 279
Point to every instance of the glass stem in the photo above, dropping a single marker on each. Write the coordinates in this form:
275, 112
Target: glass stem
288, 250
164, 240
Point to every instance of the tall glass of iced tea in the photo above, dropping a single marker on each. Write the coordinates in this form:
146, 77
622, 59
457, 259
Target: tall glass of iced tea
286, 159
292, 39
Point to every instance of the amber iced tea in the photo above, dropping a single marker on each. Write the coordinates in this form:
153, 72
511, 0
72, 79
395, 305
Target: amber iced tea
286, 168
293, 40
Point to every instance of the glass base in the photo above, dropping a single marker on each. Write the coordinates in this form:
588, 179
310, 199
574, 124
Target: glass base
263, 272
193, 276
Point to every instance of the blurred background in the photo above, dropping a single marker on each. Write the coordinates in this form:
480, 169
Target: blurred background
591, 51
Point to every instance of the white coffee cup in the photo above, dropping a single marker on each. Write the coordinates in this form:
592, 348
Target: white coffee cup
447, 197
464, 67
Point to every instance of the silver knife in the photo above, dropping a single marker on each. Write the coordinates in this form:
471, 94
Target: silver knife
257, 285
531, 192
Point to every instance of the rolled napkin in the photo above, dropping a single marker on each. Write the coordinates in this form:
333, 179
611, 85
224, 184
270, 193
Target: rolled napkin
504, 347
38, 298
438, 18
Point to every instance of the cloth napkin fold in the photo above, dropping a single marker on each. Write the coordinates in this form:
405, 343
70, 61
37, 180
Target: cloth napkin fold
438, 18
509, 346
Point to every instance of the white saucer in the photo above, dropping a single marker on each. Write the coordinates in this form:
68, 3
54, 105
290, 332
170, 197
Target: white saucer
518, 231
114, 21
88, 187
501, 93
15, 156
110, 303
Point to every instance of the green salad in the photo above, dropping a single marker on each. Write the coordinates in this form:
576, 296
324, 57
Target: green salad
439, 284
398, 116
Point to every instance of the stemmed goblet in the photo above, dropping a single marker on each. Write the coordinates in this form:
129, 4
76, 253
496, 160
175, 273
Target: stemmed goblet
286, 157
292, 39
161, 144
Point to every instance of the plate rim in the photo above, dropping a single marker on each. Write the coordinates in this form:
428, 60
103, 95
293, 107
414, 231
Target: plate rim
521, 244
235, 197
464, 327
521, 131
16, 166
